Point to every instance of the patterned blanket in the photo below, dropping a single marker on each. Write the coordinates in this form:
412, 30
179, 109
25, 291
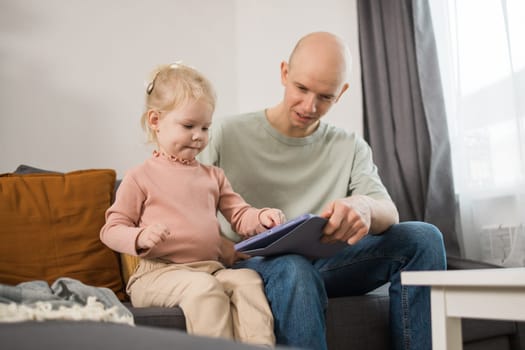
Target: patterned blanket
65, 299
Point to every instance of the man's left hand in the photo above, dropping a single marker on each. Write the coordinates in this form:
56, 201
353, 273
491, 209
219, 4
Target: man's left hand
349, 219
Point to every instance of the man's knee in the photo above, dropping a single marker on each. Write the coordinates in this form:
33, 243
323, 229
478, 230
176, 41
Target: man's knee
296, 275
425, 239
295, 268
419, 232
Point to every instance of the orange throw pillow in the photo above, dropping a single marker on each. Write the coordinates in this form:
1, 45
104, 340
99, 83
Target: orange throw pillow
129, 264
50, 225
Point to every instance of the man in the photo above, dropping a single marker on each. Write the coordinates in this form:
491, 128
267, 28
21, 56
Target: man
286, 157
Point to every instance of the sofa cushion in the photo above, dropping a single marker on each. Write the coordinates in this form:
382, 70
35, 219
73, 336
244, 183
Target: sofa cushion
28, 169
476, 329
50, 225
498, 343
358, 322
84, 335
156, 316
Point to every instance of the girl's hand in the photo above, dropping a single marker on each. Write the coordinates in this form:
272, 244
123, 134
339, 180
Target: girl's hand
272, 217
229, 255
151, 236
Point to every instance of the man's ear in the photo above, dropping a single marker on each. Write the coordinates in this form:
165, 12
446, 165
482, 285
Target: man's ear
343, 89
284, 72
153, 119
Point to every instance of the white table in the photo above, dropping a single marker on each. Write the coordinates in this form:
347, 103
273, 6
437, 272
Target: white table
497, 294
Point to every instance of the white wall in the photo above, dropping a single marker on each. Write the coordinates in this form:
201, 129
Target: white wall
73, 72
266, 33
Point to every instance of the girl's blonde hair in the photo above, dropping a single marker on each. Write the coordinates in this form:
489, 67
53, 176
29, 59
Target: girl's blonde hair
172, 86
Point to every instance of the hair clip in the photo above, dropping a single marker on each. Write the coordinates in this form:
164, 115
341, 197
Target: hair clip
176, 64
149, 88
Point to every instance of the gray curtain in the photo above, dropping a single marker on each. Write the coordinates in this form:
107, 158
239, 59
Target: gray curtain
404, 111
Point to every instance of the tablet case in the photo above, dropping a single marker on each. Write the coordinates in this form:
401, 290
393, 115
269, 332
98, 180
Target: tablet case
298, 236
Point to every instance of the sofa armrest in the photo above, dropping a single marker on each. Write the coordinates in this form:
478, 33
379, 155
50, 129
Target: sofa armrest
517, 341
455, 263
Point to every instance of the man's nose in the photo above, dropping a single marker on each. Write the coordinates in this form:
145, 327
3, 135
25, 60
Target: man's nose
310, 103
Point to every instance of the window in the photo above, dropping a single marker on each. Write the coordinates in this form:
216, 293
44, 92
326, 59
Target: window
482, 61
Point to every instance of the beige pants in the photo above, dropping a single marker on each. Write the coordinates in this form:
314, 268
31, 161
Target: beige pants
217, 302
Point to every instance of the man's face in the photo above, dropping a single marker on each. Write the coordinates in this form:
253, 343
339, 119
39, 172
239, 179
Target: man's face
310, 92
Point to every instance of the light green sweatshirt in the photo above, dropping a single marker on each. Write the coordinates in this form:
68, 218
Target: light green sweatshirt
297, 175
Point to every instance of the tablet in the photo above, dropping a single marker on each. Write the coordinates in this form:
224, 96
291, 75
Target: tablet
298, 236
264, 238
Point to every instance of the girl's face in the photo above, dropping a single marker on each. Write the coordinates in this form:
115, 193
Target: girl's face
183, 131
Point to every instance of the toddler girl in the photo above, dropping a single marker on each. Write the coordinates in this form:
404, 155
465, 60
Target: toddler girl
166, 212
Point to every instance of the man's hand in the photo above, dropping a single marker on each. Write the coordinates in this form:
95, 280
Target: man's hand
229, 255
151, 236
352, 218
349, 219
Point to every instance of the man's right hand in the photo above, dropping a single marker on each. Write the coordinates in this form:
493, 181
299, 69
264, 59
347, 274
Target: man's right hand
229, 255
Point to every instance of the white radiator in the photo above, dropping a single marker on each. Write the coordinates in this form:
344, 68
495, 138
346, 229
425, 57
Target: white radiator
503, 245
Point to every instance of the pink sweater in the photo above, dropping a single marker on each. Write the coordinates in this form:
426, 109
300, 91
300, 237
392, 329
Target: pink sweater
183, 197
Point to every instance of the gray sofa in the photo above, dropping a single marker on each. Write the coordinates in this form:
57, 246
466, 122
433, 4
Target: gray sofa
357, 322
50, 224
86, 335
361, 322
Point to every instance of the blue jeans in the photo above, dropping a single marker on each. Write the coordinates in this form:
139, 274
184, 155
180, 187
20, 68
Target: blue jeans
298, 289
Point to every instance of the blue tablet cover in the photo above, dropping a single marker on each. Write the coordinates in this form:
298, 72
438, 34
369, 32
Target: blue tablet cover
298, 236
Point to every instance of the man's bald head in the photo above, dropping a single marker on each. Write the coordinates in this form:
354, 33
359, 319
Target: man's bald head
326, 49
